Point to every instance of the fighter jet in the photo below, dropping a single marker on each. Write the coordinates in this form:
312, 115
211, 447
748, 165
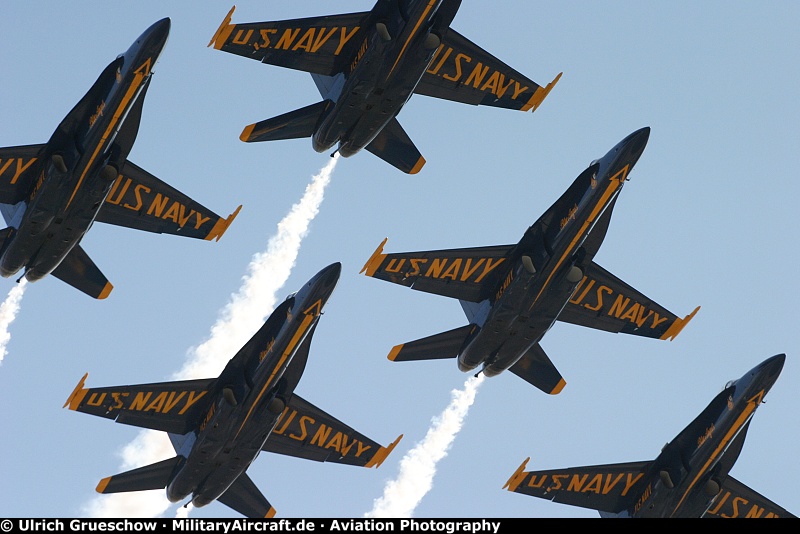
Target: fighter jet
218, 426
50, 194
513, 294
690, 478
367, 65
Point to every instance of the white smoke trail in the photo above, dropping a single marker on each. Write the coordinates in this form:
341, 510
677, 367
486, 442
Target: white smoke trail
418, 467
8, 312
238, 321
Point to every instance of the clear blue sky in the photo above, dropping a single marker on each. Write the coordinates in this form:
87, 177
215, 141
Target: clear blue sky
708, 218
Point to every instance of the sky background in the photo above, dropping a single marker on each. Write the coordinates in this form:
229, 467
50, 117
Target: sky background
708, 218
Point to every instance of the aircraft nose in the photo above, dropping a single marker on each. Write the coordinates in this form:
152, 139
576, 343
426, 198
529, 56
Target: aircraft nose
635, 143
159, 32
772, 367
330, 274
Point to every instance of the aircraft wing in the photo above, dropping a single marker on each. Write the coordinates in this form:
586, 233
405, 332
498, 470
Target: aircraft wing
738, 500
15, 182
141, 201
605, 302
464, 273
607, 488
175, 407
463, 72
320, 45
307, 432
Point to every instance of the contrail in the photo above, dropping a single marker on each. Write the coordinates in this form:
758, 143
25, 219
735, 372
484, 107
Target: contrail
238, 321
8, 312
418, 467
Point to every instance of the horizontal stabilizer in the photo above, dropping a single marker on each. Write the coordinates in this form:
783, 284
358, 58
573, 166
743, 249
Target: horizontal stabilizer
149, 477
244, 497
436, 347
535, 368
296, 124
79, 271
393, 146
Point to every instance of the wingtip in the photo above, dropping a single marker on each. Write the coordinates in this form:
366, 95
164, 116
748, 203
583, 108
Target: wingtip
381, 454
375, 260
540, 94
270, 513
77, 395
519, 475
222, 226
678, 325
224, 30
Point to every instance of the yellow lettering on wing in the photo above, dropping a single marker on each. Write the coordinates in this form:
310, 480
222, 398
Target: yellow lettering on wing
242, 37
289, 35
321, 435
285, 420
576, 482
537, 481
362, 448
457, 63
137, 192
303, 431
265, 38
140, 400
193, 397
157, 206
20, 167
344, 37
415, 264
96, 399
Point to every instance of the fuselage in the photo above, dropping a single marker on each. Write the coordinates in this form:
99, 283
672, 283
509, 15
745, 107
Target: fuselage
386, 68
696, 472
547, 264
78, 165
248, 403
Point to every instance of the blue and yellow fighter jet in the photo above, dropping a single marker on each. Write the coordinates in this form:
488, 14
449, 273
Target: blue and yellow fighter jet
690, 478
367, 65
218, 426
50, 194
513, 294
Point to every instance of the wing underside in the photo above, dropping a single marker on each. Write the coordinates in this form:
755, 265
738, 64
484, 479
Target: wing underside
174, 407
305, 431
463, 72
16, 175
738, 500
469, 274
319, 45
604, 302
141, 201
608, 488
